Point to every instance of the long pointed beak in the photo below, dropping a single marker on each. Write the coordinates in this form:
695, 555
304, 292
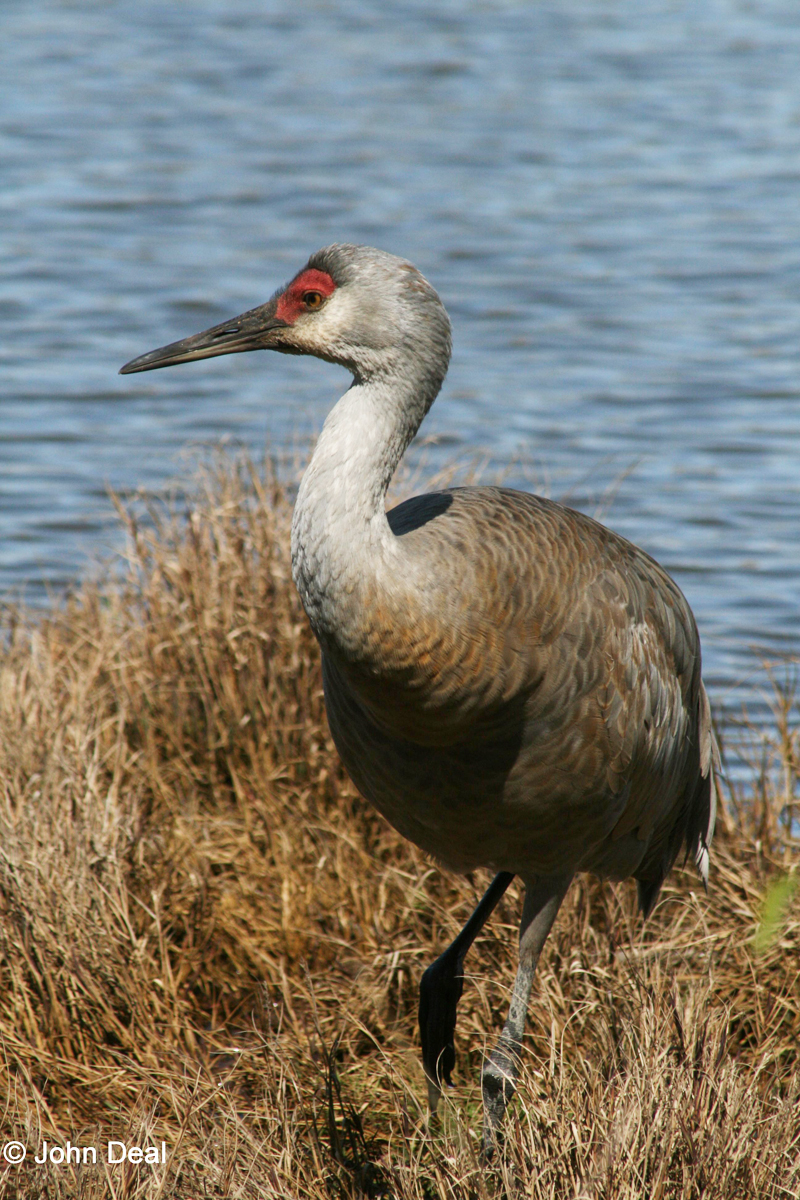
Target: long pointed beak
257, 329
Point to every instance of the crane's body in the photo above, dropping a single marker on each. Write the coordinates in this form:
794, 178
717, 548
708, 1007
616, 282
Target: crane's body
512, 684
525, 733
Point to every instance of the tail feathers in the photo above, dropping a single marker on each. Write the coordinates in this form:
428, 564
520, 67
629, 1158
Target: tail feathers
648, 894
696, 829
702, 815
701, 859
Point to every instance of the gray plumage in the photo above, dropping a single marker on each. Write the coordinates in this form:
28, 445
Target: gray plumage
510, 683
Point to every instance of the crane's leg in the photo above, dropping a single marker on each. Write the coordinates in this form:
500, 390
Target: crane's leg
543, 897
440, 991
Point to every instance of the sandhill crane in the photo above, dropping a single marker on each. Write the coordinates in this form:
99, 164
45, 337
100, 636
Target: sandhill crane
513, 685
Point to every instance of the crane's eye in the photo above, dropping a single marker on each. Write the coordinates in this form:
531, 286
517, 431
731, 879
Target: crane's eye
312, 299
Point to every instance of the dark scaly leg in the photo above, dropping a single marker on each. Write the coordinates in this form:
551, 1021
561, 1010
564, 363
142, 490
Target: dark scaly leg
543, 897
440, 991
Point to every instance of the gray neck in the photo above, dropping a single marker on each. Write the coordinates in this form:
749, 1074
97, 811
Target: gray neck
343, 551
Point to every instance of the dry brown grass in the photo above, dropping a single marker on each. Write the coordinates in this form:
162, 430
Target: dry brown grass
208, 938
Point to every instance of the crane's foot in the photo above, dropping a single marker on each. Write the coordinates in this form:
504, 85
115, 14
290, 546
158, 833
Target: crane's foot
498, 1084
439, 993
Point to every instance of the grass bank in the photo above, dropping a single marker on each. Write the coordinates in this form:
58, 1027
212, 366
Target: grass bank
207, 939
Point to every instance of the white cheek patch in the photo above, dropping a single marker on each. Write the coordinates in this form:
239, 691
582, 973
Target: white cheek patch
326, 328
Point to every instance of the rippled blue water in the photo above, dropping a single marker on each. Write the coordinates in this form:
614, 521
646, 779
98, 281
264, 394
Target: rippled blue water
606, 194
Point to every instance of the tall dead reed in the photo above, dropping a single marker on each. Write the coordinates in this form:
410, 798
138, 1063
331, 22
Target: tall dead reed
208, 939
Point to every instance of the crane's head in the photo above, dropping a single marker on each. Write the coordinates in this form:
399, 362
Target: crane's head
353, 305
